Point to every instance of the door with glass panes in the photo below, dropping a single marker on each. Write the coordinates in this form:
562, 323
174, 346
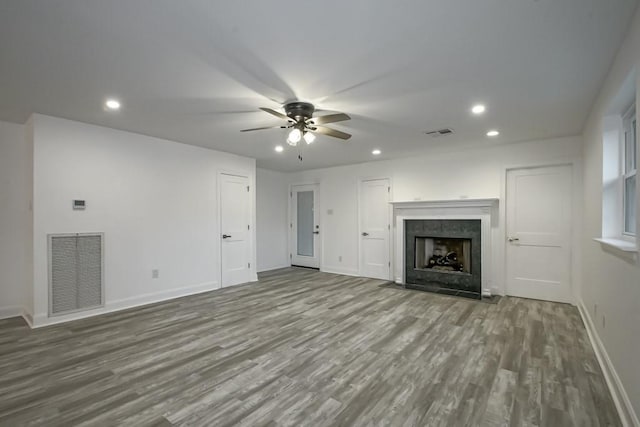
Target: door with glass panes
305, 226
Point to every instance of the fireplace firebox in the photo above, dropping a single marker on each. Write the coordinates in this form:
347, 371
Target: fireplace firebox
443, 256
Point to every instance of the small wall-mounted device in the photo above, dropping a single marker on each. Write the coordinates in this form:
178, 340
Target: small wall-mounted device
79, 205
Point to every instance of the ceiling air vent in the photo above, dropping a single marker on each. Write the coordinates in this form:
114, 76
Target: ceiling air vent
440, 132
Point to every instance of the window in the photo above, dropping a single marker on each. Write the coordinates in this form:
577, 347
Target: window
629, 173
619, 178
620, 192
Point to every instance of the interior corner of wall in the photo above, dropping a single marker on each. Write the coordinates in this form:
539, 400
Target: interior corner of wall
27, 316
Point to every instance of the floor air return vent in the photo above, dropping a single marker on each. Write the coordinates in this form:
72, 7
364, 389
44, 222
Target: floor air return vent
76, 272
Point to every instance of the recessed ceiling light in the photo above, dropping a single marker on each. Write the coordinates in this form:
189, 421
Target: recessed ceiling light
376, 152
279, 148
112, 104
493, 133
478, 109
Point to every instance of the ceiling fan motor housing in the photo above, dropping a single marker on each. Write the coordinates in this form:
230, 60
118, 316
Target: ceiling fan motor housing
299, 111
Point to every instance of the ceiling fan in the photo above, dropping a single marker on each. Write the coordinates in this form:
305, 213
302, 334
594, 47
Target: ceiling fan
299, 117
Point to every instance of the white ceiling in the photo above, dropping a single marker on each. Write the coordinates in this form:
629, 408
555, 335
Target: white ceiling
197, 71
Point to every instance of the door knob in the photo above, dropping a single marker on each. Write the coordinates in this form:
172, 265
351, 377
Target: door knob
513, 239
365, 234
226, 236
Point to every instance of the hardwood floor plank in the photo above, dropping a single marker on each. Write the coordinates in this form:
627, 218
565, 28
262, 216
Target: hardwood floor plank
307, 348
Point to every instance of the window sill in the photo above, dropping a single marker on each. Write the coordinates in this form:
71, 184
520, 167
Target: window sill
622, 248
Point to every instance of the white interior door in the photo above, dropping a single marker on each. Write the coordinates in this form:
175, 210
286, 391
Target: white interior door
538, 223
375, 228
234, 227
305, 226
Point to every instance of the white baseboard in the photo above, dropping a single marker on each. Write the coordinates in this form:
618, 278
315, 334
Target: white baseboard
17, 311
10, 311
27, 316
340, 270
42, 319
627, 414
276, 267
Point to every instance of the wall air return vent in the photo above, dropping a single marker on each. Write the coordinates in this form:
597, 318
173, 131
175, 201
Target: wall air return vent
439, 132
76, 272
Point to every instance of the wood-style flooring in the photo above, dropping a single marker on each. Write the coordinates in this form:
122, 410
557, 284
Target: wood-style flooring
303, 348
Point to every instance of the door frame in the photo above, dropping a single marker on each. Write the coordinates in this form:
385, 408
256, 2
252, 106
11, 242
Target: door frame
361, 180
319, 219
253, 275
575, 223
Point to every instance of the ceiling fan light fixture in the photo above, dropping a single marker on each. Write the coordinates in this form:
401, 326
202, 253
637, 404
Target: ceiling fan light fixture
301, 123
309, 137
294, 137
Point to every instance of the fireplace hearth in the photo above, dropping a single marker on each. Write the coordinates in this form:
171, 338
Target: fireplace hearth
444, 256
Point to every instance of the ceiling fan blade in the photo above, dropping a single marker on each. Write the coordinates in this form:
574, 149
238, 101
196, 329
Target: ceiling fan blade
276, 113
331, 132
330, 118
262, 128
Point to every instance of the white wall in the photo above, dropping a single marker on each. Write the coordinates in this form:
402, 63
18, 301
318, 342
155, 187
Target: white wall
611, 281
474, 173
15, 219
155, 200
271, 228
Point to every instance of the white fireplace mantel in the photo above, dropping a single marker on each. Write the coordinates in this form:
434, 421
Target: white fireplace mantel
486, 210
454, 203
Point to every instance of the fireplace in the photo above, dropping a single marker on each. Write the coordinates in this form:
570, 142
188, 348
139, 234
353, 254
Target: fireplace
444, 256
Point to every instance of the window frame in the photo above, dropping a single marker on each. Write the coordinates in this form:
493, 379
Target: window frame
629, 127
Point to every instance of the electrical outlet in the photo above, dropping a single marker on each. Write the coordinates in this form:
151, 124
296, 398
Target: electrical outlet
340, 258
155, 274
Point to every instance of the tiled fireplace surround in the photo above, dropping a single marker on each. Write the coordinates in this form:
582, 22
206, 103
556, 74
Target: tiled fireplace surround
485, 210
